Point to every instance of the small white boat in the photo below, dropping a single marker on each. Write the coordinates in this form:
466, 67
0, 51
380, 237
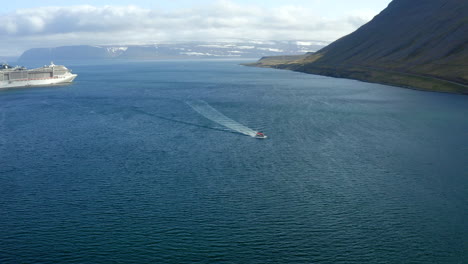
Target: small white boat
260, 135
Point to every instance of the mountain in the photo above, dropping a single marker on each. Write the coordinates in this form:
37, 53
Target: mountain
65, 53
187, 50
415, 43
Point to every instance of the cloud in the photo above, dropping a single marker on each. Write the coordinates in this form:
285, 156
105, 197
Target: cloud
86, 24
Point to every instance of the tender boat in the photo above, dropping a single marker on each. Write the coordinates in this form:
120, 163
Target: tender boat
260, 135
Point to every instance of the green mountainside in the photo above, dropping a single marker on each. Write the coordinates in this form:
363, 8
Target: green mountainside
421, 44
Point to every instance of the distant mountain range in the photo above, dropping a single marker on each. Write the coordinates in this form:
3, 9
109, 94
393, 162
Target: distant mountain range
191, 50
415, 43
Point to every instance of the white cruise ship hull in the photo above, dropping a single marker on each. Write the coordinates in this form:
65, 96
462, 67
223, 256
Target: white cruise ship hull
45, 76
44, 82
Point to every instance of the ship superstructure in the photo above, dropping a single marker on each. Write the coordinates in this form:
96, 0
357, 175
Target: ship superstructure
52, 74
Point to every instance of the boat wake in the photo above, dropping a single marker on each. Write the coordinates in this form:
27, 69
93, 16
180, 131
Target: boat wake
206, 110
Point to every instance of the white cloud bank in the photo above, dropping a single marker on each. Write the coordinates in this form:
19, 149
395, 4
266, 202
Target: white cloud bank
55, 26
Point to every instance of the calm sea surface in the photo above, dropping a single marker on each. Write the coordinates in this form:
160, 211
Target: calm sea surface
118, 168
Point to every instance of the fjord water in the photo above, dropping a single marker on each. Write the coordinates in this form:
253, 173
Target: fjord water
116, 168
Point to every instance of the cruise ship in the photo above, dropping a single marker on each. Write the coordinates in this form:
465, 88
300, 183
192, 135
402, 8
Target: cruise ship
11, 77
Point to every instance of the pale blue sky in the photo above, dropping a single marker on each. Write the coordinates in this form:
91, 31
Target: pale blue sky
51, 23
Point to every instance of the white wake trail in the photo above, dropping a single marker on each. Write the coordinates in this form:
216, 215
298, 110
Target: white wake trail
206, 110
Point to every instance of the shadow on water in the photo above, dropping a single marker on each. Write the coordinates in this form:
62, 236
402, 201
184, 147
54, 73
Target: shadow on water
185, 123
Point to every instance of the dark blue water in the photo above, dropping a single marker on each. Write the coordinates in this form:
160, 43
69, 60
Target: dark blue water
117, 168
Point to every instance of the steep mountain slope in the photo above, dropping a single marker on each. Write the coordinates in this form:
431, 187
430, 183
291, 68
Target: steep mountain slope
417, 43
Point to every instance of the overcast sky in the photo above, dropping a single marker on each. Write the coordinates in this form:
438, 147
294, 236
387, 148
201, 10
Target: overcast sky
50, 23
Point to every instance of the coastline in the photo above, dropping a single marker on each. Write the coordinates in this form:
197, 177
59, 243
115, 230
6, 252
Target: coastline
373, 75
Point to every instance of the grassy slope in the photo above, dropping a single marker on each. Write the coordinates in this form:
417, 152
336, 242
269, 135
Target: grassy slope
419, 43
